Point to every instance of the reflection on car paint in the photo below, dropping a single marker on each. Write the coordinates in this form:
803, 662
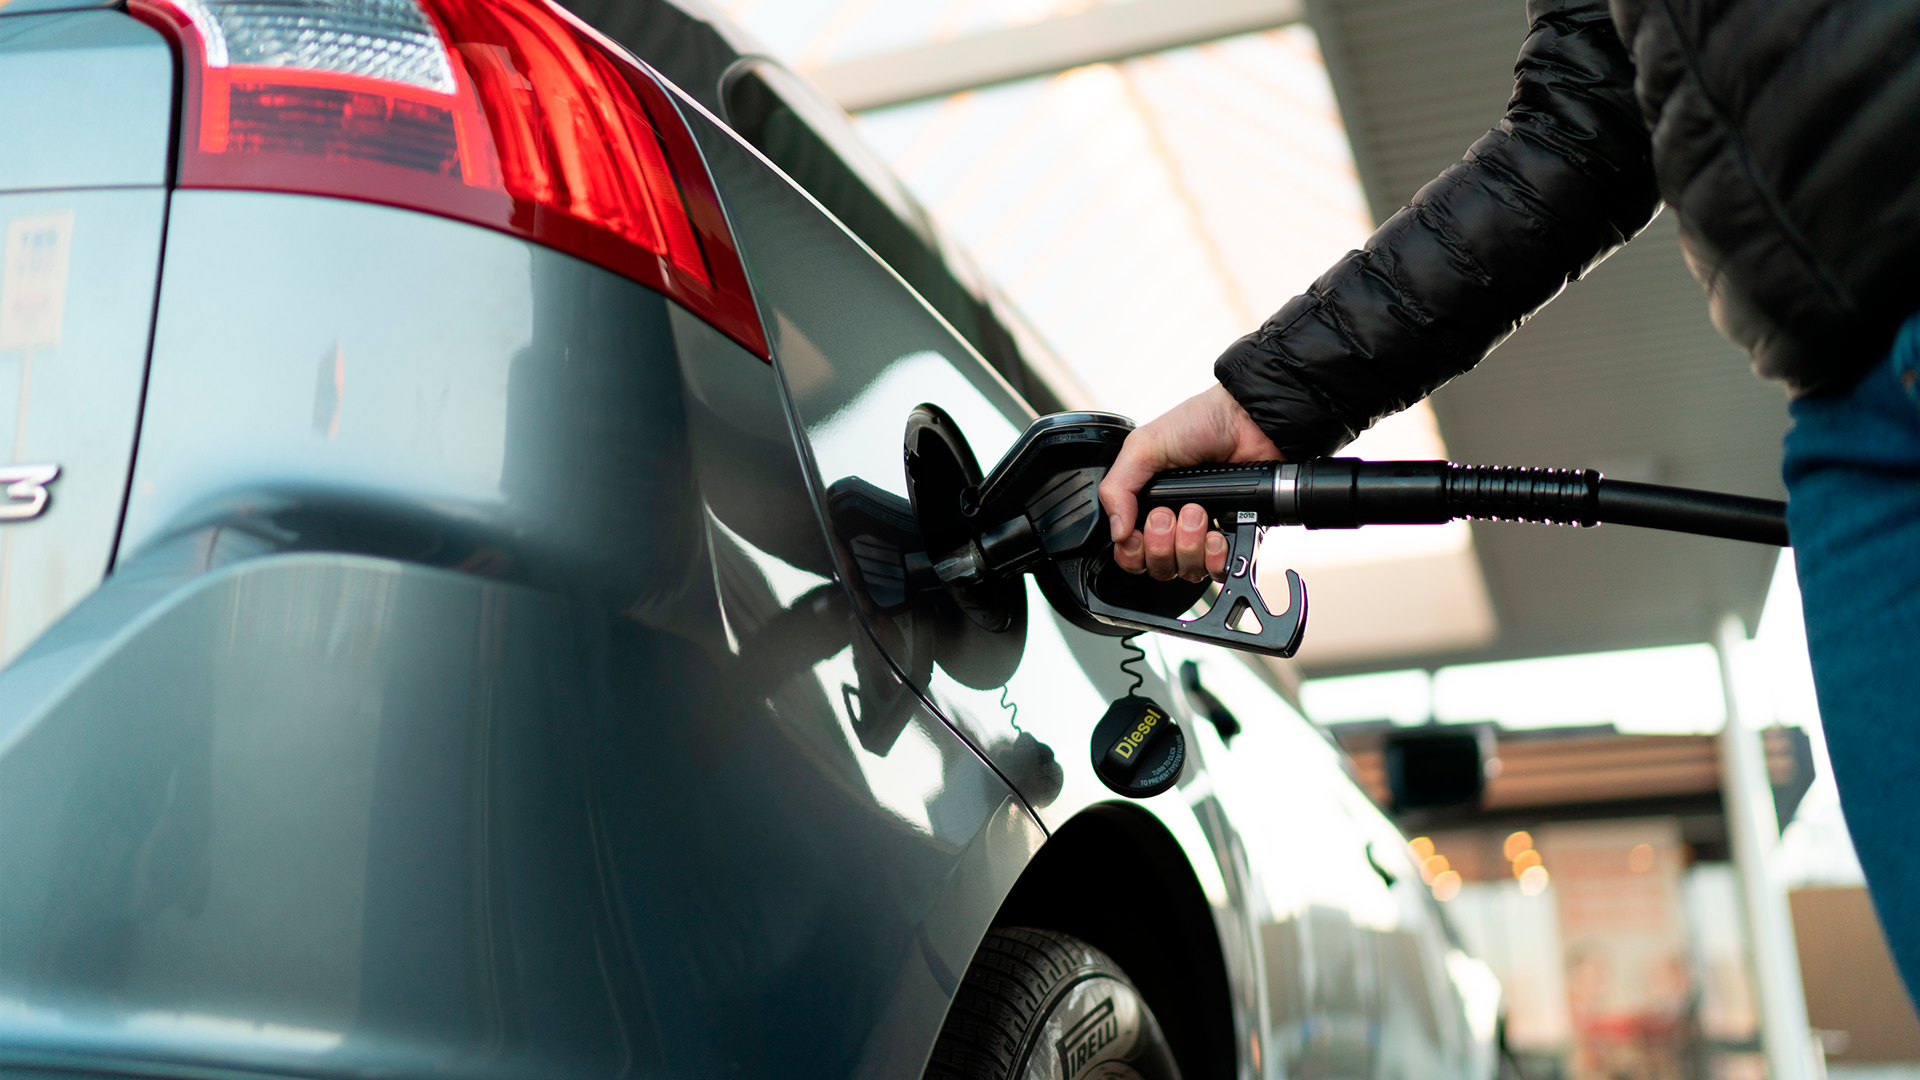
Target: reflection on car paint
844, 440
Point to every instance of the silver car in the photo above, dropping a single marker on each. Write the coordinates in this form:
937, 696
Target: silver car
453, 618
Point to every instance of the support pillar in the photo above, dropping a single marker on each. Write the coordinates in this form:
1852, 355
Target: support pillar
1747, 794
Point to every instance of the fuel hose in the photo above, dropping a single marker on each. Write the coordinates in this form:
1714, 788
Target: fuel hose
1346, 493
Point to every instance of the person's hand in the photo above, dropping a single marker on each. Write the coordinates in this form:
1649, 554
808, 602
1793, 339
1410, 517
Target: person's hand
1208, 427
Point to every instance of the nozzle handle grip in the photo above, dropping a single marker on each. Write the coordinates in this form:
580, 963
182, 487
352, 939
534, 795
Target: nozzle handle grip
1224, 490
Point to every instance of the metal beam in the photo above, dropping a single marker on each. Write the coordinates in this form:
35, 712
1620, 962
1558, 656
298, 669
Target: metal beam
1098, 35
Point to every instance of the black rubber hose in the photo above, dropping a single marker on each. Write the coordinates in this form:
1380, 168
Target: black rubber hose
1584, 497
1346, 493
1707, 513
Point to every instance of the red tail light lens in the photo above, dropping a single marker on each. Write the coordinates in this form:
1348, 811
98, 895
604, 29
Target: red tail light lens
510, 114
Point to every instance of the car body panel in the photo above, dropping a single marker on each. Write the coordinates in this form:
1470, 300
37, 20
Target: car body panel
1310, 889
1358, 979
473, 618
857, 354
317, 340
858, 350
89, 99
332, 813
76, 308
1339, 904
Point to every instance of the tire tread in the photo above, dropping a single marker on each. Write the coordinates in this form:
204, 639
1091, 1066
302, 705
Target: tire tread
1014, 974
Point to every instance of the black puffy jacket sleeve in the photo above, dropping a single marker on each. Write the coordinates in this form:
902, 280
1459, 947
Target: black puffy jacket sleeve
1562, 182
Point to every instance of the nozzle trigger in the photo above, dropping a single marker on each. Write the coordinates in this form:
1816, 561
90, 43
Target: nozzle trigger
1278, 634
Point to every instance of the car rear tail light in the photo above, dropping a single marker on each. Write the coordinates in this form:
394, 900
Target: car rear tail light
510, 114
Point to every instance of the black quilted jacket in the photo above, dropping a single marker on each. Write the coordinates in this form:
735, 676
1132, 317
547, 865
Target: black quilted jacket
1784, 133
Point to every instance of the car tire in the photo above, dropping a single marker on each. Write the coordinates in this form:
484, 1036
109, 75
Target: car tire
1039, 1005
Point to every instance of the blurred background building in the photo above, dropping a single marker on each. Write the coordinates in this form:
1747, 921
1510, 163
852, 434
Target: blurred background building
1146, 180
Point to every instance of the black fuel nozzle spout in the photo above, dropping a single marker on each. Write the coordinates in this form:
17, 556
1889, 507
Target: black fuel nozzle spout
1346, 493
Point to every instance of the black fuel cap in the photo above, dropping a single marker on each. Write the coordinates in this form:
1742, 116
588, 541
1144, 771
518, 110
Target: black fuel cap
1137, 748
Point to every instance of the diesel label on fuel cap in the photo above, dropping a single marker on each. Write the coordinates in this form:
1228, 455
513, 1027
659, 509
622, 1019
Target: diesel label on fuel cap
1138, 750
1127, 751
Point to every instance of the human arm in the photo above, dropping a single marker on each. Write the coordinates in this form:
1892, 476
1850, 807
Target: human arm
1559, 184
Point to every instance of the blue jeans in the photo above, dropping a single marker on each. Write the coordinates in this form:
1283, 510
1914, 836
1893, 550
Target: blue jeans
1853, 479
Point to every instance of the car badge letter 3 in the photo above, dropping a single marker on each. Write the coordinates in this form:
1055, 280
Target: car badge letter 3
26, 490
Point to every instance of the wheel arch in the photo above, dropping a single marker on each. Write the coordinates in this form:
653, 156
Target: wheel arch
1156, 924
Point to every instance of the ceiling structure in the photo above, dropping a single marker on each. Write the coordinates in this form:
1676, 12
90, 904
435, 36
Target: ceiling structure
1623, 372
1096, 35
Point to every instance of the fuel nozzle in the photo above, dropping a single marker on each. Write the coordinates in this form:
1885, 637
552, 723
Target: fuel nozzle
1039, 512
